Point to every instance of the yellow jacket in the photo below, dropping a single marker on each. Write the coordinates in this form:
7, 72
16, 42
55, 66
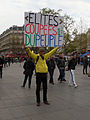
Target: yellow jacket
41, 66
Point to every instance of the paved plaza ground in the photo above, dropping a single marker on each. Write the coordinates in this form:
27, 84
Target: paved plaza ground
67, 103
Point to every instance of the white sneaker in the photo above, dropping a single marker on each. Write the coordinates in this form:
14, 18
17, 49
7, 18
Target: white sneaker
76, 86
70, 85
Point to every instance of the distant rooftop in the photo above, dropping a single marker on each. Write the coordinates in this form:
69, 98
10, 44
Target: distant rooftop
14, 27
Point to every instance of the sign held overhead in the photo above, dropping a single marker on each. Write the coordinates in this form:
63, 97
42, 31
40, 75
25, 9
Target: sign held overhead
43, 30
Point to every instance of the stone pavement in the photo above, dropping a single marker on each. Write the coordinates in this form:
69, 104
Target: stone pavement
67, 103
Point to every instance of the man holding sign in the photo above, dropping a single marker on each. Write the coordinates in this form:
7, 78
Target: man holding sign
41, 71
42, 31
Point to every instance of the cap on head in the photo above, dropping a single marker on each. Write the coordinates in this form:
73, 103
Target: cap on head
41, 50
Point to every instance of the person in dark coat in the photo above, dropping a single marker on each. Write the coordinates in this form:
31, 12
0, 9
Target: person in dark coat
51, 68
28, 71
9, 60
85, 64
89, 62
1, 66
71, 66
61, 67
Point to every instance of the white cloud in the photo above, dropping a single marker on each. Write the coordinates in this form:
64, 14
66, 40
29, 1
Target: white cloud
12, 11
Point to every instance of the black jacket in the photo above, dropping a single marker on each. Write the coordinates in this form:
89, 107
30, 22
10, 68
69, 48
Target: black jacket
29, 67
60, 63
51, 64
1, 63
72, 63
85, 61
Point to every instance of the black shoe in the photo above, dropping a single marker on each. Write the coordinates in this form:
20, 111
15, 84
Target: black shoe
60, 81
64, 80
38, 104
47, 103
23, 86
52, 83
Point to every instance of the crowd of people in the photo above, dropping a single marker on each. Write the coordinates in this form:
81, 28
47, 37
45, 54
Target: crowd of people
6, 62
46, 63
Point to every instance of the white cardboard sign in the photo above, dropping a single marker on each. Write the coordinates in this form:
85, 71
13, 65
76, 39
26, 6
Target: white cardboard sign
43, 30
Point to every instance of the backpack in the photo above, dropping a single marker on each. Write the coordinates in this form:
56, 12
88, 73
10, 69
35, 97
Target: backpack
38, 58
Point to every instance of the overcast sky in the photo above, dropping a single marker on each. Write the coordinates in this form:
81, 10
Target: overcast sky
12, 11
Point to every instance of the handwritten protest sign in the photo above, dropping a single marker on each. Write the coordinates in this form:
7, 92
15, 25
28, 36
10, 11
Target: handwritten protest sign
43, 30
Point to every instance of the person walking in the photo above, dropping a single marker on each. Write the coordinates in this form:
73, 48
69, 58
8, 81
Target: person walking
85, 64
89, 62
51, 68
28, 71
1, 66
41, 70
71, 66
61, 67
9, 61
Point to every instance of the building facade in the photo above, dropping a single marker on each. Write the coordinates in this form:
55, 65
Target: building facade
12, 40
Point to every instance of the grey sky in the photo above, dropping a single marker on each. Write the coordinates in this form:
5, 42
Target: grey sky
12, 11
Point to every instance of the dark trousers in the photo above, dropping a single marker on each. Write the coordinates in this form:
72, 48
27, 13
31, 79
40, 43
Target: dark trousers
29, 80
62, 74
0, 72
41, 77
84, 69
51, 72
89, 64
